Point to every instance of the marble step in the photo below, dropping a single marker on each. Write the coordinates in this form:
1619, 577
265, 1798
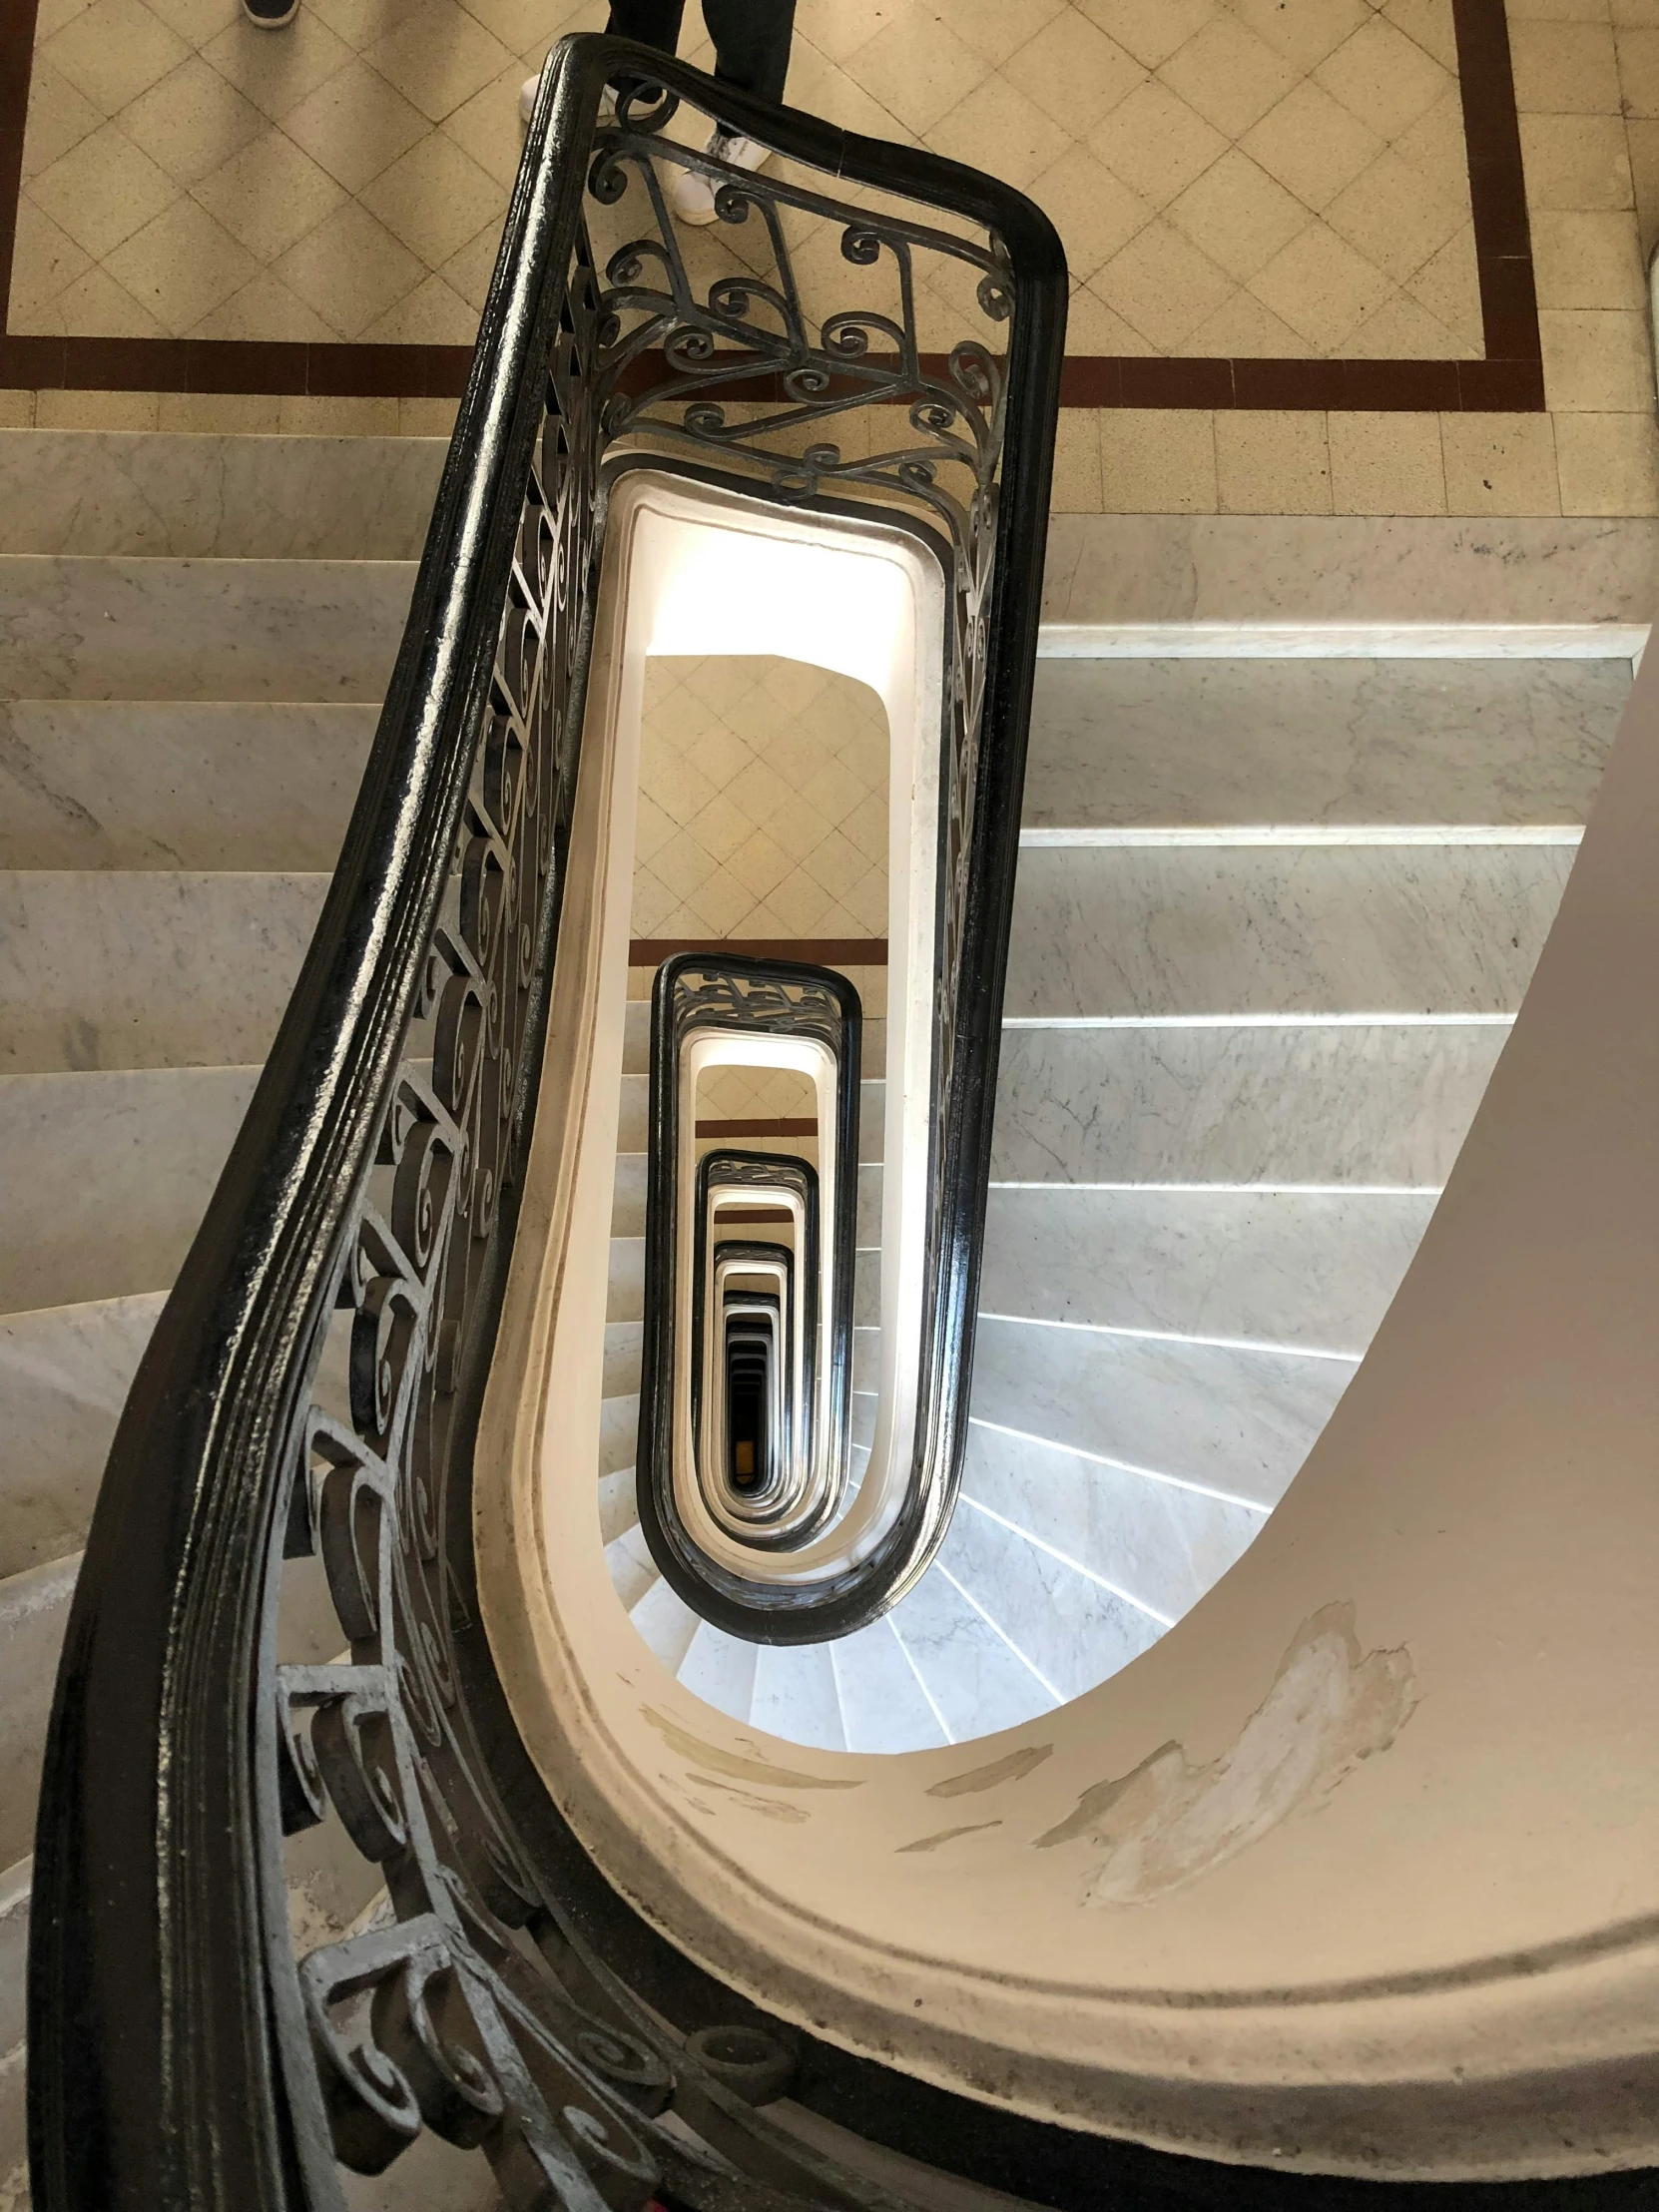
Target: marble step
104, 1177
1234, 1422
1379, 1103
178, 783
34, 1612
619, 1429
629, 1195
65, 1371
196, 494
1101, 932
78, 626
1311, 1270
1151, 744
884, 1705
625, 1286
720, 1669
618, 1504
1157, 1544
666, 1622
630, 1565
622, 1357
975, 1680
14, 1968
796, 1695
117, 968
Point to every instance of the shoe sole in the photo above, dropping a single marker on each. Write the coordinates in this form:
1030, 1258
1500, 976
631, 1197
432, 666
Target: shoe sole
272, 22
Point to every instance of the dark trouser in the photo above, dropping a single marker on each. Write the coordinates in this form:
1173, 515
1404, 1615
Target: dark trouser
752, 37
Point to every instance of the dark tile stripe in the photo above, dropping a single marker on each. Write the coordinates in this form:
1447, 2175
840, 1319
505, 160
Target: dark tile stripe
818, 951
1510, 378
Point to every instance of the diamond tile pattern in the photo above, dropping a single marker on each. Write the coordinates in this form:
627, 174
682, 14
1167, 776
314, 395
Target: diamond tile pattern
1229, 176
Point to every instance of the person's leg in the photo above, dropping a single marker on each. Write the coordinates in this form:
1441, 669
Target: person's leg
651, 22
752, 43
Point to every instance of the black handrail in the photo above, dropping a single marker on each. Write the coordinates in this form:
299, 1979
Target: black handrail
180, 2057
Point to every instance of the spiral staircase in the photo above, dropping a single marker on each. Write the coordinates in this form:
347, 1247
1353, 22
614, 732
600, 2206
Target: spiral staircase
384, 1856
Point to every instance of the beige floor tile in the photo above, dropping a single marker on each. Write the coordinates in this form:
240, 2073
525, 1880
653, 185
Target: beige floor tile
1575, 161
269, 194
1403, 331
1564, 68
1074, 72
487, 129
438, 57
1449, 286
1272, 465
469, 273
1633, 10
1094, 213
839, 27
1156, 143
265, 309
1162, 285
1241, 329
1395, 216
998, 114
1238, 216
1608, 464
196, 21
434, 199
45, 260
240, 414
1302, 31
1500, 464
1430, 23
354, 125
1321, 287
1311, 144
917, 68
1437, 146
360, 22
58, 118
192, 122
516, 22
1094, 327
1158, 461
1077, 462
95, 306
1383, 77
1595, 363
1643, 142
1587, 259
1151, 30
17, 410
1229, 74
1638, 58
351, 270
103, 190
181, 265
113, 50
995, 29
319, 416
276, 73
1387, 465
432, 314
97, 410
52, 15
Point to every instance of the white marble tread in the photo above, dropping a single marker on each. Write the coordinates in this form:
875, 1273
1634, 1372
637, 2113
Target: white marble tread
619, 1429
624, 1283
632, 1568
1238, 1422
622, 1357
666, 1622
74, 625
104, 1177
618, 1504
197, 493
34, 1612
628, 1192
65, 1371
974, 1681
178, 783
1164, 742
883, 1704
720, 1669
796, 1695
1137, 934
144, 969
1308, 1269
1351, 1105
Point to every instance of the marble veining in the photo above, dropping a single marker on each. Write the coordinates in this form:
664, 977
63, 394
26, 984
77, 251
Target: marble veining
978, 1684
720, 1669
202, 493
1172, 743
1237, 1422
1313, 1270
111, 968
882, 1703
104, 783
75, 626
1355, 929
796, 1695
1348, 1105
63, 1377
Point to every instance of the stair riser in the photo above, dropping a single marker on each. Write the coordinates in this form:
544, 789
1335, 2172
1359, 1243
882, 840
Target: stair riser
34, 1612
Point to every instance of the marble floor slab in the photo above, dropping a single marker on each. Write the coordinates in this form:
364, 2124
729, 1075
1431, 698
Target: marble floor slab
204, 495
1443, 929
1240, 1423
1286, 1268
123, 783
1373, 1105
63, 1377
34, 1612
75, 626
103, 1177
105, 968
1160, 743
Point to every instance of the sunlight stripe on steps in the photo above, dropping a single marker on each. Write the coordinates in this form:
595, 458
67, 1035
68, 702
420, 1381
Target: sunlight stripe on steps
1123, 1467
1207, 837
921, 1685
1166, 1620
1241, 1190
1257, 1021
968, 1598
1173, 1336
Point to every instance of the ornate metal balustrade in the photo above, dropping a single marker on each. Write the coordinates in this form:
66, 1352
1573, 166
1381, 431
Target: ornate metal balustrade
275, 1633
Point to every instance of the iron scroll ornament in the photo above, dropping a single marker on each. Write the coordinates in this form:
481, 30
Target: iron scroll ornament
182, 2055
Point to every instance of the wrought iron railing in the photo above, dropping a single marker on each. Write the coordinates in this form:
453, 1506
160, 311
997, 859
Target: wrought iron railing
275, 1634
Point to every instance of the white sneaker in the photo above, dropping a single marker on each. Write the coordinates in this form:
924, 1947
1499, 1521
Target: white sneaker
694, 194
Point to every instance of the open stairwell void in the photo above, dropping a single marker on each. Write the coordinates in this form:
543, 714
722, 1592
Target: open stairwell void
1273, 919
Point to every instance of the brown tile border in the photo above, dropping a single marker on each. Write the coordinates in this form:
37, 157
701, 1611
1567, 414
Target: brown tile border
1509, 380
778, 1126
819, 951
